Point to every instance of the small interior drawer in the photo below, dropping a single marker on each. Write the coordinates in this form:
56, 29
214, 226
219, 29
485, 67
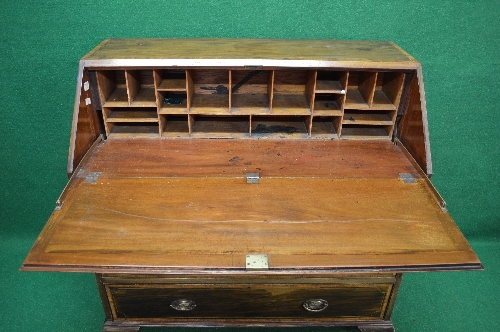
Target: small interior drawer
249, 301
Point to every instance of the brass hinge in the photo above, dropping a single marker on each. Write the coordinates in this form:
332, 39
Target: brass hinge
253, 178
407, 178
428, 184
90, 177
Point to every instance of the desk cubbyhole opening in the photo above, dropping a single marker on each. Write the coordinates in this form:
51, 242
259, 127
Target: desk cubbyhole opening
127, 115
329, 81
172, 102
170, 80
112, 88
328, 104
360, 90
174, 125
326, 126
140, 88
388, 90
293, 92
251, 92
211, 92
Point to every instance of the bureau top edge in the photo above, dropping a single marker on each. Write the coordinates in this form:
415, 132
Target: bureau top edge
265, 52
248, 64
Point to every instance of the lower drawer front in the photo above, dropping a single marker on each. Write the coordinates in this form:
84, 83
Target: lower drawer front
249, 301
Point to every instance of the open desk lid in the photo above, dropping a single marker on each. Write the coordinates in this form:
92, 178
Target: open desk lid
153, 206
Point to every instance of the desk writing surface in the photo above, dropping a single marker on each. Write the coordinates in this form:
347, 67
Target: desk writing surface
185, 205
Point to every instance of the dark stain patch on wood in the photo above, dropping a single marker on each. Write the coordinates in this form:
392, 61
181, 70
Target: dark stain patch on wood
174, 101
234, 159
218, 90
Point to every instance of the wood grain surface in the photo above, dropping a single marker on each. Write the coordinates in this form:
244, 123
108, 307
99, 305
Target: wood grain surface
334, 50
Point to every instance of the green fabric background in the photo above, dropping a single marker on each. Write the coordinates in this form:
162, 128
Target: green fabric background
457, 42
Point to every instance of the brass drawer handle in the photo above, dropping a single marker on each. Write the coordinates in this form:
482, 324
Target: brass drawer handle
183, 305
315, 305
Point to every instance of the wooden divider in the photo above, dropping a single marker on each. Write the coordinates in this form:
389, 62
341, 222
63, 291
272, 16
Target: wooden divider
264, 103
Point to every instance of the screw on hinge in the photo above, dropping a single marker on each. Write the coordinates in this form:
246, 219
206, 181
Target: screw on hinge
407, 177
253, 177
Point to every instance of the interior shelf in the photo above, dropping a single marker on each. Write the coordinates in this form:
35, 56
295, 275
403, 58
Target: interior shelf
220, 126
381, 101
145, 97
329, 87
172, 85
170, 80
373, 118
123, 88
324, 127
280, 127
364, 132
354, 100
132, 115
134, 130
118, 98
284, 104
328, 104
174, 126
172, 102
250, 104
331, 82
210, 104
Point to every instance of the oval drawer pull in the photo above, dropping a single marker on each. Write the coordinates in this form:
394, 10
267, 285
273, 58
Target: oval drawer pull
315, 305
183, 305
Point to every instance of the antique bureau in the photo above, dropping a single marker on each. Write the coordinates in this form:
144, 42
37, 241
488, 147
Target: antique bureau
224, 182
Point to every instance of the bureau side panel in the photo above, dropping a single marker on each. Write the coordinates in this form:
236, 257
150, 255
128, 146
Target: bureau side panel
104, 297
413, 130
86, 128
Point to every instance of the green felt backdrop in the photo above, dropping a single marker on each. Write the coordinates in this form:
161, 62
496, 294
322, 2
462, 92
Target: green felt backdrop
458, 43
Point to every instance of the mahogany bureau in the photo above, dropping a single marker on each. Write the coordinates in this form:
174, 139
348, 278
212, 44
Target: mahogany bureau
238, 182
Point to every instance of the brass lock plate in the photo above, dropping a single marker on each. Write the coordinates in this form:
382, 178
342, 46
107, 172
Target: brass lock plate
257, 262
